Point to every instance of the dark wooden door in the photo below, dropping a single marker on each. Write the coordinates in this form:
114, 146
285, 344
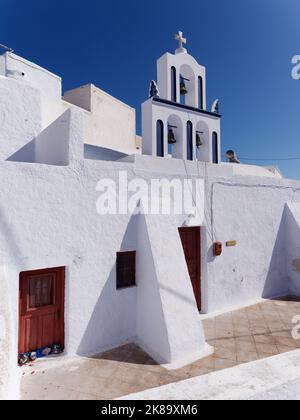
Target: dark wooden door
41, 309
191, 242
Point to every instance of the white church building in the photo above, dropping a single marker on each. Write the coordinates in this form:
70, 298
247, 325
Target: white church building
89, 281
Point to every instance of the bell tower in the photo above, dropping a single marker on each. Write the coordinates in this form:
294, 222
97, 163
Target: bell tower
180, 78
176, 123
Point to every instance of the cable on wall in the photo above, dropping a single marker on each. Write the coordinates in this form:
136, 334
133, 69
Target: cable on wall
269, 159
6, 48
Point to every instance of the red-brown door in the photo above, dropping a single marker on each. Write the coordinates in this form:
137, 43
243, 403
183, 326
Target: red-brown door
191, 242
41, 310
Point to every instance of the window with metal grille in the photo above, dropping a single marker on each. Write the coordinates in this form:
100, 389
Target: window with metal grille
126, 269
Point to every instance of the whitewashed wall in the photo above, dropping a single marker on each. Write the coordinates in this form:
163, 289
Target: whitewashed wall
250, 211
49, 219
2, 65
20, 115
9, 375
292, 215
109, 122
48, 84
163, 297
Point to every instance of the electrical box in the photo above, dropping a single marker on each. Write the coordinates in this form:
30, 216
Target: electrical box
218, 249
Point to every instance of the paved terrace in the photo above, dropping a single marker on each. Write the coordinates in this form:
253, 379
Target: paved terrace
246, 335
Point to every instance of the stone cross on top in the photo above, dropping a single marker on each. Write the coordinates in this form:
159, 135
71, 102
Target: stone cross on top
182, 41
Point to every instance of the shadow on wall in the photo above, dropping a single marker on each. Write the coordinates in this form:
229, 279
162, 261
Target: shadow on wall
113, 317
9, 238
26, 154
9, 381
50, 147
293, 247
100, 330
92, 152
277, 279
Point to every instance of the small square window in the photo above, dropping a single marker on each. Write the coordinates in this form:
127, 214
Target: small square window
126, 269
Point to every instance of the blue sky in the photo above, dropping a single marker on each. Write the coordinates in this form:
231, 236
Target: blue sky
246, 45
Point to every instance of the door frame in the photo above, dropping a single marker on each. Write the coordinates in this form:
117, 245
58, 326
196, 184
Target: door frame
197, 229
61, 272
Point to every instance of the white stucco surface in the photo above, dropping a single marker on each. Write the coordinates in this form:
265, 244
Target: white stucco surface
48, 208
102, 153
2, 65
249, 210
48, 84
81, 97
109, 123
250, 170
255, 267
53, 145
9, 376
20, 115
163, 297
293, 246
98, 316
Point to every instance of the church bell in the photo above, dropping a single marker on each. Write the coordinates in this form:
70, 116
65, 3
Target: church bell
171, 136
183, 89
199, 142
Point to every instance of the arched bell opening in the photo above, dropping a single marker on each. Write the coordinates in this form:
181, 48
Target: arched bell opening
189, 141
188, 91
160, 148
202, 142
173, 84
215, 148
175, 137
200, 93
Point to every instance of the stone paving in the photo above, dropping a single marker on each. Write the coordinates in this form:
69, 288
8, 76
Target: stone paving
242, 336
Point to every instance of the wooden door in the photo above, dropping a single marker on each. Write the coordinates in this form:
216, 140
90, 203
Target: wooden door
191, 242
41, 309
